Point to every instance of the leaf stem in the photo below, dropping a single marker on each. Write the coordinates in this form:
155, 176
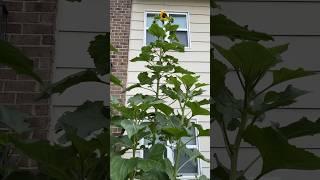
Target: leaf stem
236, 146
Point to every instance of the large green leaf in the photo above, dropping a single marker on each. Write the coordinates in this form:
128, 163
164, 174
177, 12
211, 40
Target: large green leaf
201, 131
26, 175
218, 76
145, 79
14, 119
251, 59
189, 80
86, 119
197, 109
303, 127
157, 31
222, 26
98, 50
225, 107
277, 153
54, 159
156, 152
132, 127
164, 108
84, 147
120, 168
15, 59
69, 81
115, 80
174, 128
193, 155
285, 74
274, 99
155, 175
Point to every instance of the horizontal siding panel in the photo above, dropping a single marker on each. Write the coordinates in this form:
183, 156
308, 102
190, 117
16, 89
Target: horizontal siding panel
72, 50
195, 37
204, 143
84, 16
206, 171
282, 21
194, 18
196, 23
195, 46
199, 68
200, 28
140, 8
191, 3
187, 56
303, 51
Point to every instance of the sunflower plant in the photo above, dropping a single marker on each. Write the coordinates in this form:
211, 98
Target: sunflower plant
241, 118
151, 122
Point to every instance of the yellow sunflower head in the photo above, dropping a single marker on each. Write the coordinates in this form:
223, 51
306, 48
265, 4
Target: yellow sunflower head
163, 16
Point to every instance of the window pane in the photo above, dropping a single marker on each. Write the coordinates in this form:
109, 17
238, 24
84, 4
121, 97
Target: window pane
150, 18
190, 140
150, 38
190, 168
180, 20
183, 37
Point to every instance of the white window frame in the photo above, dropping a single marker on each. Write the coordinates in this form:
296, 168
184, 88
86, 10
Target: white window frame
170, 156
187, 14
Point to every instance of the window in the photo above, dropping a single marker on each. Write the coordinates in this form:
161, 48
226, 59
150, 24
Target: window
191, 169
180, 19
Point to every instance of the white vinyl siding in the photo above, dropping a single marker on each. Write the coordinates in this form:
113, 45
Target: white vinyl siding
77, 24
196, 58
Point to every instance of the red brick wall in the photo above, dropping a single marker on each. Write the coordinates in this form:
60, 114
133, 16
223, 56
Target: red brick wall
31, 25
120, 16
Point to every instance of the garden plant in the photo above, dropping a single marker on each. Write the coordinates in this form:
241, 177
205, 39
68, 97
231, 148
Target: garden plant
244, 115
151, 121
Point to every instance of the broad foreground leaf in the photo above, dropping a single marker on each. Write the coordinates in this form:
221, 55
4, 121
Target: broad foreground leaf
303, 127
86, 119
69, 81
98, 50
285, 74
277, 153
250, 58
222, 26
15, 59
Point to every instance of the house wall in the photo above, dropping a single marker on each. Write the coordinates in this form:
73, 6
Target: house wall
31, 27
195, 58
77, 25
293, 22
